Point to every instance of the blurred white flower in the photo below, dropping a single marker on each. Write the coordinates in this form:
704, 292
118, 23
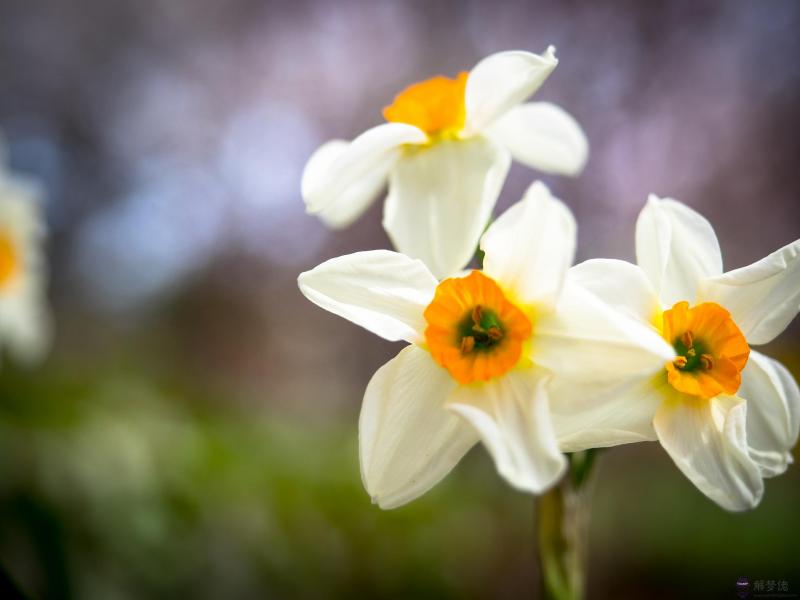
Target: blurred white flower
484, 348
445, 152
726, 420
24, 318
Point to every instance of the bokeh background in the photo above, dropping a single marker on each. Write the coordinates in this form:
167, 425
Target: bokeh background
193, 432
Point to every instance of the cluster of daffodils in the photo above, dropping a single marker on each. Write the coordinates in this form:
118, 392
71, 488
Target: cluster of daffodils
530, 355
24, 320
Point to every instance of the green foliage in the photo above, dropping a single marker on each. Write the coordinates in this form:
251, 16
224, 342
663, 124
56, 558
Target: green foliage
120, 483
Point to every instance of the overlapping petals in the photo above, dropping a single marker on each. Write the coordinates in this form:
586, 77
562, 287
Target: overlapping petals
443, 176
440, 199
586, 340
708, 443
602, 414
531, 246
513, 418
773, 413
335, 173
724, 437
407, 441
418, 419
501, 81
763, 297
677, 248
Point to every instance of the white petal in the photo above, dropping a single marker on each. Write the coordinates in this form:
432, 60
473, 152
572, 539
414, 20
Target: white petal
26, 325
512, 416
543, 136
501, 81
621, 285
335, 174
380, 290
621, 409
590, 415
408, 440
356, 198
708, 443
530, 246
677, 248
764, 297
773, 412
440, 199
587, 340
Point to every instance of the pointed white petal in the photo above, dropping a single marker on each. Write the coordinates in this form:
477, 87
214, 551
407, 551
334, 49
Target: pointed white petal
621, 285
512, 416
707, 441
501, 81
590, 415
440, 199
408, 440
543, 136
530, 246
585, 339
384, 292
356, 198
619, 410
336, 174
773, 412
764, 297
677, 248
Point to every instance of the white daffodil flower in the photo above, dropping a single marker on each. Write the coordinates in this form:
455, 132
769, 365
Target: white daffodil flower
483, 349
24, 320
726, 414
445, 153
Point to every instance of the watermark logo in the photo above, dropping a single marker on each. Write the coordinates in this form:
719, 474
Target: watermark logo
763, 588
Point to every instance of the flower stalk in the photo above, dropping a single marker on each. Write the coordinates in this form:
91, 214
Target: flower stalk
562, 528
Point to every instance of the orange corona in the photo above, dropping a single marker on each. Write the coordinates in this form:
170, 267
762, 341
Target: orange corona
9, 262
473, 330
435, 105
711, 349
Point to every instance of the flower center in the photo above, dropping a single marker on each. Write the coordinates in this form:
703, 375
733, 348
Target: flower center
473, 330
480, 330
435, 105
711, 349
9, 261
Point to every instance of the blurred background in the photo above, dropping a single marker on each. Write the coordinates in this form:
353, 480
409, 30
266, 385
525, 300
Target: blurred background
193, 431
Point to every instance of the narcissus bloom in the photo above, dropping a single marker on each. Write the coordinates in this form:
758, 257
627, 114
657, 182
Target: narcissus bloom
726, 414
445, 153
24, 323
483, 349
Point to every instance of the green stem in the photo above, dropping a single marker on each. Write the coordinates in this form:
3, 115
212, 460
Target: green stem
562, 528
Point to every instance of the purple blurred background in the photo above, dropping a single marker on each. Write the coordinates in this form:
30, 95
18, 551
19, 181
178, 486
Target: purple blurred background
171, 136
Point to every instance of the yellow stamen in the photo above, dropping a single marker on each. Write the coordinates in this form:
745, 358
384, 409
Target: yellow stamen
435, 105
687, 338
467, 344
680, 362
707, 361
477, 316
